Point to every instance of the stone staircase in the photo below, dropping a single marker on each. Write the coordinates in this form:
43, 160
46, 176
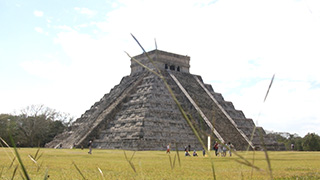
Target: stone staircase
221, 123
149, 120
83, 128
246, 125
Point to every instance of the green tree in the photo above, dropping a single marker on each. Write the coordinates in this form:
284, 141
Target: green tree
298, 144
36, 125
311, 142
8, 127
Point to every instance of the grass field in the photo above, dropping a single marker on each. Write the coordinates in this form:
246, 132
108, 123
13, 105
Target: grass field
63, 164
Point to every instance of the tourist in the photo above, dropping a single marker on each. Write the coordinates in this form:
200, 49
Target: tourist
215, 147
187, 153
224, 149
168, 148
194, 153
219, 149
90, 147
230, 147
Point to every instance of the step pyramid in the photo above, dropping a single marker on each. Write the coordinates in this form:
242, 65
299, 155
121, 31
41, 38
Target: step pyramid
140, 114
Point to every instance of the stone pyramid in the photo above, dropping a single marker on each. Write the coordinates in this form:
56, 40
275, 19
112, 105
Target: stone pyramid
140, 113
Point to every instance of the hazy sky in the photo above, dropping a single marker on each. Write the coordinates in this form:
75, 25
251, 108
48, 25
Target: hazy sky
68, 54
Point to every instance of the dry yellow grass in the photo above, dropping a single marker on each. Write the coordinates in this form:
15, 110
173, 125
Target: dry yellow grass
156, 165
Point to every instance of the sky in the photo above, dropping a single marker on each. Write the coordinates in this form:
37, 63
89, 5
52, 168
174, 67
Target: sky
67, 54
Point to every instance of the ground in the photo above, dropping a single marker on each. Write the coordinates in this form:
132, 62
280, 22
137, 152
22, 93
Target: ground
119, 164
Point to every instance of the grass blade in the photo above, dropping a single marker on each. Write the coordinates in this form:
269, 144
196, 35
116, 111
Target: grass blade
129, 161
1, 172
144, 51
170, 162
144, 66
4, 142
174, 160
35, 156
101, 173
138, 43
32, 159
245, 163
253, 155
134, 152
269, 88
178, 155
12, 162
14, 172
266, 153
39, 166
46, 176
39, 156
78, 170
22, 177
176, 101
261, 135
125, 155
132, 166
155, 43
24, 170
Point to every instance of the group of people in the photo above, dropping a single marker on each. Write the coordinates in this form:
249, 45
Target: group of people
187, 149
221, 149
193, 154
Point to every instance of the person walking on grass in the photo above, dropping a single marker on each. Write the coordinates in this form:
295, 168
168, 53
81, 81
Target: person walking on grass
90, 147
230, 147
168, 148
224, 149
215, 147
220, 150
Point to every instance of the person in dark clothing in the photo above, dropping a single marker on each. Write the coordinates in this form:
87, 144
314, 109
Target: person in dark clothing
90, 147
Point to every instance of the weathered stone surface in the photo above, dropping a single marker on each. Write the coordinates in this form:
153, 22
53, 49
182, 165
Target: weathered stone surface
140, 113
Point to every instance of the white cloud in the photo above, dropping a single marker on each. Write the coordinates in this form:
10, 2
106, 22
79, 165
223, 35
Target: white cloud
45, 69
291, 106
63, 27
38, 29
38, 13
86, 11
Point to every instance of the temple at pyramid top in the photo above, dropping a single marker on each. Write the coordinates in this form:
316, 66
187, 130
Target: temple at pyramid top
163, 60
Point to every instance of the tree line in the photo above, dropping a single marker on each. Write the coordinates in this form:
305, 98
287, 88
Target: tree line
310, 142
37, 125
33, 126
